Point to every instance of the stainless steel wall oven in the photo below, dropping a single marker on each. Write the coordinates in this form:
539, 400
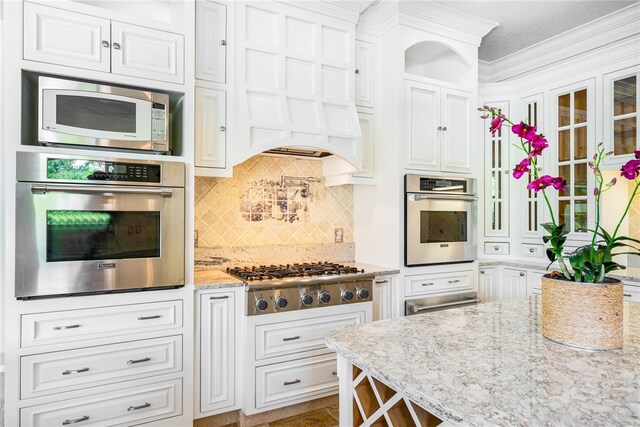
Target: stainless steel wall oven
93, 225
440, 220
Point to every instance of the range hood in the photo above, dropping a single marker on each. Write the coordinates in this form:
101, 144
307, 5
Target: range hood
295, 83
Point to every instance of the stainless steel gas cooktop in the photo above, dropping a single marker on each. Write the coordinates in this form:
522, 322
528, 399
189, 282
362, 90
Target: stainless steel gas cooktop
280, 288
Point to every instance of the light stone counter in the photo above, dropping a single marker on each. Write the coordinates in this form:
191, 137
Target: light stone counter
490, 365
215, 279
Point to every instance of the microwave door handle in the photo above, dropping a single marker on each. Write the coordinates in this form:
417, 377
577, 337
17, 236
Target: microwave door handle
70, 188
419, 197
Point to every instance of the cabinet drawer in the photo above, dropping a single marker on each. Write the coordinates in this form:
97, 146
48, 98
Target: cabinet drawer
281, 383
533, 251
439, 282
48, 373
496, 248
278, 339
123, 407
75, 325
632, 293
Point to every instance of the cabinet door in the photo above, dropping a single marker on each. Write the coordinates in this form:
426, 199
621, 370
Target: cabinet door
217, 351
534, 286
489, 285
66, 38
383, 298
622, 113
365, 52
457, 145
497, 178
422, 141
534, 209
514, 284
146, 53
211, 41
211, 144
368, 145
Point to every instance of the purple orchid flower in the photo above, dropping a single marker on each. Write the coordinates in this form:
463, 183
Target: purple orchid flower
524, 131
545, 181
496, 123
631, 169
521, 168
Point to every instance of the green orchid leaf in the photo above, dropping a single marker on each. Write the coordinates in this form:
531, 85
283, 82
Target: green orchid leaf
545, 239
548, 227
551, 255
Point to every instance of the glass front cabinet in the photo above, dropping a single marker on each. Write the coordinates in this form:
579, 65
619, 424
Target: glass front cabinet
497, 170
621, 114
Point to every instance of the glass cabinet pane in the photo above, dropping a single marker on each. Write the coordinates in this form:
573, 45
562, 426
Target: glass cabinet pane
565, 172
564, 145
624, 96
580, 179
564, 214
497, 169
580, 107
580, 219
580, 143
625, 135
564, 110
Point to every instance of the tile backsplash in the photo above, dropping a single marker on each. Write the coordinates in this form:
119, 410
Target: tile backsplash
258, 207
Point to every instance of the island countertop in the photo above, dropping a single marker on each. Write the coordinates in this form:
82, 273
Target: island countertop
490, 365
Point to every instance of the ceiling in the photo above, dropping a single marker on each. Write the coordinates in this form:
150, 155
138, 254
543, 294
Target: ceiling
524, 23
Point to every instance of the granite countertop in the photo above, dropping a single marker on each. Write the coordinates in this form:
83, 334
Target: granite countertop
631, 274
490, 365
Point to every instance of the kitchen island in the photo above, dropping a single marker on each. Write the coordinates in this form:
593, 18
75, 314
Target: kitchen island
481, 366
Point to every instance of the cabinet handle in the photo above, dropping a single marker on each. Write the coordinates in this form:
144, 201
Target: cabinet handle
74, 371
223, 42
291, 382
134, 408
496, 248
291, 338
133, 362
481, 271
334, 373
444, 128
454, 281
57, 328
222, 297
105, 43
382, 281
627, 295
532, 250
157, 316
116, 46
77, 420
223, 129
357, 71
428, 284
522, 274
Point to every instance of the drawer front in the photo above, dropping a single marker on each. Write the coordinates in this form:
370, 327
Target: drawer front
62, 371
278, 339
632, 293
439, 282
496, 248
123, 407
75, 325
533, 251
281, 383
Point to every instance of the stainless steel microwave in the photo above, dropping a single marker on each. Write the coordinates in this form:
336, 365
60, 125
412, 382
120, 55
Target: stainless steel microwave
82, 113
95, 225
440, 220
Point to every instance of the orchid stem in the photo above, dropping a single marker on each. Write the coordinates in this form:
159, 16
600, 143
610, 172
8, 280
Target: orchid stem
626, 211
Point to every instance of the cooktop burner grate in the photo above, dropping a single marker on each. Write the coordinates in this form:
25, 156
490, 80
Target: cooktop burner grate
270, 272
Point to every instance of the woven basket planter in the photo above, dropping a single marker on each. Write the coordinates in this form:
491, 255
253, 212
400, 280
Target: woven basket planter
584, 315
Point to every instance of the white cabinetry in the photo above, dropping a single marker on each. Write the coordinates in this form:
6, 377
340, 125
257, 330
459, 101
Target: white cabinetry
514, 284
489, 284
217, 342
211, 131
632, 291
67, 38
534, 286
211, 41
622, 113
383, 287
437, 128
367, 125
365, 76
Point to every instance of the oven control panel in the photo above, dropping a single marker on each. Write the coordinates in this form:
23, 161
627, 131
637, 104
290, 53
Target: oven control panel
98, 170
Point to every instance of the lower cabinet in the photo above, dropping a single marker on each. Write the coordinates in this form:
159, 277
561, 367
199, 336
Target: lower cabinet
383, 297
489, 285
514, 284
216, 334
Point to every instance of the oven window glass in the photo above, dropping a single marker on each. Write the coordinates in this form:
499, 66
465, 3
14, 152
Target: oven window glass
443, 226
98, 235
103, 114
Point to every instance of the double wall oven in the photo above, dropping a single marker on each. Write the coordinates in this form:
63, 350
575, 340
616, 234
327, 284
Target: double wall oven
440, 220
93, 225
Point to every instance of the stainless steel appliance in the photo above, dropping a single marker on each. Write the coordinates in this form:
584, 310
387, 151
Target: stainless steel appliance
440, 220
90, 225
81, 113
437, 303
280, 288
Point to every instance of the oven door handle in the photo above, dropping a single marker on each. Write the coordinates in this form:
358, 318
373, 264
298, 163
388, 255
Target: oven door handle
71, 188
419, 197
419, 308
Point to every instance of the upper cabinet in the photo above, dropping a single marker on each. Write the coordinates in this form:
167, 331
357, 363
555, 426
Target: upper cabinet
211, 41
496, 178
72, 39
621, 114
365, 76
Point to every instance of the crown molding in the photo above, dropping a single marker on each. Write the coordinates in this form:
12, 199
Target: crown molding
335, 9
577, 42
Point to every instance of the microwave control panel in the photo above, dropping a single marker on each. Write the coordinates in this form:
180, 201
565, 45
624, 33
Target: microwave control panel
435, 184
158, 122
96, 170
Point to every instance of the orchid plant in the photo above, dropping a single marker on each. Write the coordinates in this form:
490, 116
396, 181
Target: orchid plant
591, 262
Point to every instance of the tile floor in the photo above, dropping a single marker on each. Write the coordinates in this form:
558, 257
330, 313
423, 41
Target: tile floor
323, 417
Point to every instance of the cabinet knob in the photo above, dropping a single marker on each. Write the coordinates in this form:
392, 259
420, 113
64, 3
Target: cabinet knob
532, 250
357, 71
223, 42
439, 127
506, 172
444, 128
223, 129
522, 274
105, 43
116, 46
481, 271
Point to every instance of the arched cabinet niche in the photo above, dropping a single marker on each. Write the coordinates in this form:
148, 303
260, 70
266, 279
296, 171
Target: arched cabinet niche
436, 60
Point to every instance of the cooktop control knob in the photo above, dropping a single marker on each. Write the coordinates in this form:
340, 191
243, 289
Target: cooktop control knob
281, 302
347, 295
262, 304
362, 293
324, 297
306, 299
